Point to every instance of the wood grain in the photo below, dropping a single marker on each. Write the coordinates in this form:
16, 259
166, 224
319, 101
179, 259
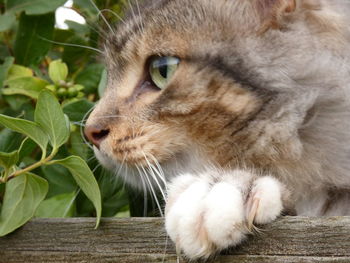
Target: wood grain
289, 240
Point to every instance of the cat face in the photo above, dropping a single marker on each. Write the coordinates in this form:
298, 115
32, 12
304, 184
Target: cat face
206, 78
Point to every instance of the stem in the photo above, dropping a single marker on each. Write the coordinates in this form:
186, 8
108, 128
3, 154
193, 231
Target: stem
5, 175
43, 155
33, 166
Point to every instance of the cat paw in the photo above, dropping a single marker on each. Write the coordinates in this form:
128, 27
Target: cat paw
203, 218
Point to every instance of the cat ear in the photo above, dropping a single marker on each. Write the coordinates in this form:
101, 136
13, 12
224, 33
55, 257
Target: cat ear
272, 12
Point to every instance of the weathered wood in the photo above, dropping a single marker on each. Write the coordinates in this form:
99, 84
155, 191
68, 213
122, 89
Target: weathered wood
288, 240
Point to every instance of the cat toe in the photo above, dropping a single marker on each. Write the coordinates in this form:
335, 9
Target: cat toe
183, 220
265, 202
224, 218
203, 219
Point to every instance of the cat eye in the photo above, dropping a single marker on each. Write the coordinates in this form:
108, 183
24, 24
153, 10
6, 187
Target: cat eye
161, 70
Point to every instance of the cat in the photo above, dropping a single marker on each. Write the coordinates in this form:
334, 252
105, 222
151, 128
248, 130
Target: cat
239, 107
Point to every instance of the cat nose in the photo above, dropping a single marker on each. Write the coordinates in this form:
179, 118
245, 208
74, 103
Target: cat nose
96, 134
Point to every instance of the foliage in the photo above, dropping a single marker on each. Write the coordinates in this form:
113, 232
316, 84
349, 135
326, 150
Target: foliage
50, 79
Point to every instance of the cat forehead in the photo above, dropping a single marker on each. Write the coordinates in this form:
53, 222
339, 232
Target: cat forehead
172, 27
154, 18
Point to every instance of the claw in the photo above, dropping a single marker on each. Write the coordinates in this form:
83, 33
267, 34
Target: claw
253, 205
178, 252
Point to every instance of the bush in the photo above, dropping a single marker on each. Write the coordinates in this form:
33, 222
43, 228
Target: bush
50, 79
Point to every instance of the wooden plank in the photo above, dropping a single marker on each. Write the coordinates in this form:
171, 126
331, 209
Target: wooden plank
154, 258
290, 240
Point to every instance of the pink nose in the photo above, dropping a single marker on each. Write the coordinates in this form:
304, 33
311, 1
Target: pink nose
96, 134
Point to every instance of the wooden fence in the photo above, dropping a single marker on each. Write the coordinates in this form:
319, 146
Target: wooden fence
288, 240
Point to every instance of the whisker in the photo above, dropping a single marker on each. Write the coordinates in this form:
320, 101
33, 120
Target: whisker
160, 171
72, 45
122, 175
153, 192
97, 166
139, 11
100, 31
111, 116
120, 116
145, 200
134, 16
78, 123
145, 204
157, 182
126, 174
81, 128
122, 163
154, 176
91, 158
97, 30
114, 13
102, 16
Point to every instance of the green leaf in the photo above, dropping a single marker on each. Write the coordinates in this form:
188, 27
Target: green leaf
33, 36
34, 7
28, 128
19, 105
78, 146
18, 102
4, 69
58, 71
85, 179
77, 110
114, 198
6, 21
7, 160
49, 115
123, 214
23, 195
9, 140
28, 86
59, 206
87, 7
103, 83
82, 29
17, 71
60, 180
4, 50
90, 77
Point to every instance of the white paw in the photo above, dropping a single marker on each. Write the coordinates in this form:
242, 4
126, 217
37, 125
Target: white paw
203, 217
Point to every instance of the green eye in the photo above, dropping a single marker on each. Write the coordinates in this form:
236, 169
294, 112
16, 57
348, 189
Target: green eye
162, 69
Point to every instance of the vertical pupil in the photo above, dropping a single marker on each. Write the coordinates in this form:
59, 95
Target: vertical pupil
163, 70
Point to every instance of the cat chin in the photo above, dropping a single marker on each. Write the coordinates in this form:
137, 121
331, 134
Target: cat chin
106, 161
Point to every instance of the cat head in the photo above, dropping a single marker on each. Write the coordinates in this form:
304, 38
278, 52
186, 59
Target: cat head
217, 79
